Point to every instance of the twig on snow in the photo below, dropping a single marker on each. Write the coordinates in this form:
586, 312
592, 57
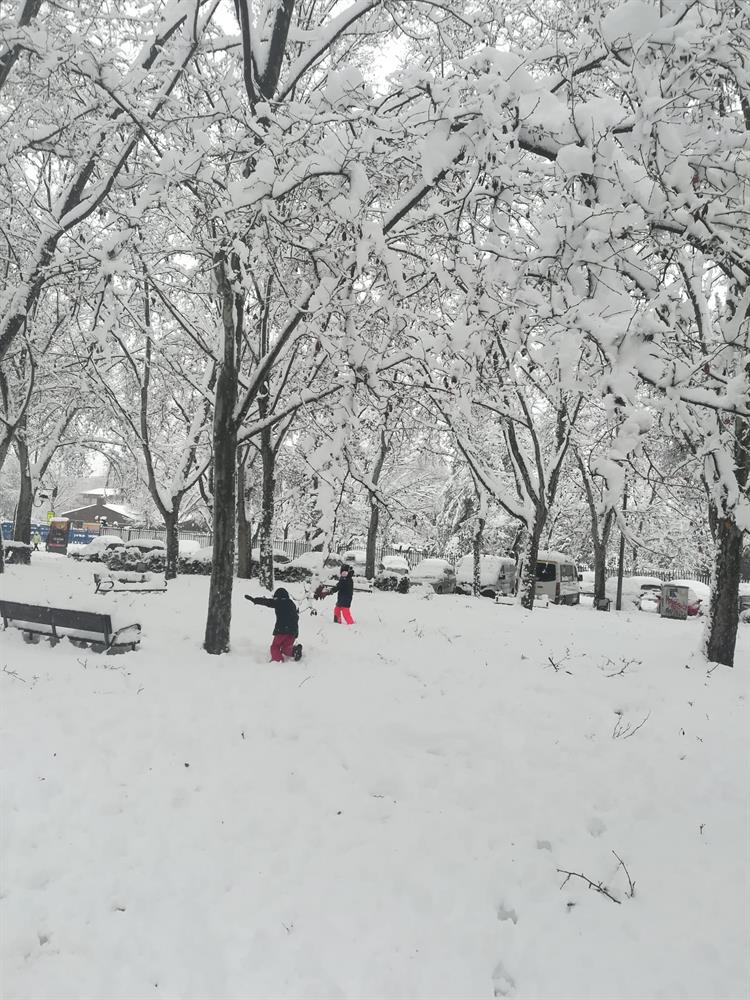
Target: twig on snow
596, 886
306, 679
631, 883
627, 730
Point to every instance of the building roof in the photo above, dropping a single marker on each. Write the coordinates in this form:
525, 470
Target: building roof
111, 511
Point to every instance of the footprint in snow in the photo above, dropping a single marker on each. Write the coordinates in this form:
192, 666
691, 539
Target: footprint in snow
506, 913
503, 983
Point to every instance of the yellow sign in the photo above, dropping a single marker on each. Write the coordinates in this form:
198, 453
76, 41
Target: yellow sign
50, 515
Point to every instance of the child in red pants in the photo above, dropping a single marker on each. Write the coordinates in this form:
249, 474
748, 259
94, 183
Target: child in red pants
344, 590
286, 629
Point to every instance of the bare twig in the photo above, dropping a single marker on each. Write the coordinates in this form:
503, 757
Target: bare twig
627, 730
631, 883
596, 886
13, 673
306, 679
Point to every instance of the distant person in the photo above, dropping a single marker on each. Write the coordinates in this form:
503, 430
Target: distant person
286, 629
36, 539
344, 591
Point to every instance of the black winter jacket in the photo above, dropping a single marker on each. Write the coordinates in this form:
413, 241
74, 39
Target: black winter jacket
287, 615
344, 590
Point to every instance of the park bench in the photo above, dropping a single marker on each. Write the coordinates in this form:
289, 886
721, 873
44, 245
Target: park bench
82, 628
143, 583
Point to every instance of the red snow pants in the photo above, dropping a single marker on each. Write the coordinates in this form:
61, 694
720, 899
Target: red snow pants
345, 613
282, 645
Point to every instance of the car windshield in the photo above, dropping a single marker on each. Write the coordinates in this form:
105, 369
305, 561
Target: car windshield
545, 572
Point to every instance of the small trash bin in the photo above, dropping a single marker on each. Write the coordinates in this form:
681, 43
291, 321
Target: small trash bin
603, 604
674, 601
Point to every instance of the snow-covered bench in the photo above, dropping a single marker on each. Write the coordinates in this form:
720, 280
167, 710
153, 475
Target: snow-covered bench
144, 583
85, 628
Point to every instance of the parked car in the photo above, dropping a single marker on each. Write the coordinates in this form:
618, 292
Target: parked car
356, 558
637, 591
435, 573
744, 602
497, 575
393, 566
587, 579
92, 551
556, 577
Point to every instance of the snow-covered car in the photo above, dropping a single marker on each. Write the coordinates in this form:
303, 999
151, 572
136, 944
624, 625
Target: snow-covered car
356, 558
92, 551
146, 544
587, 580
435, 573
634, 589
188, 545
309, 564
744, 602
393, 566
497, 575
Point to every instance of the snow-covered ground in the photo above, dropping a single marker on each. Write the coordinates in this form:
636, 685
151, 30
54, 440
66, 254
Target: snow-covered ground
385, 819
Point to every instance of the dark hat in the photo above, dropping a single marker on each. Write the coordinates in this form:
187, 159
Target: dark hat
345, 568
280, 592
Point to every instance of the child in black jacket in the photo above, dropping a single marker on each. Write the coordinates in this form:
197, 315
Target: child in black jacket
344, 591
286, 629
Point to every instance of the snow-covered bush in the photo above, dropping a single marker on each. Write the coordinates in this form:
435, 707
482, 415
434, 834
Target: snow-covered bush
197, 563
388, 581
17, 552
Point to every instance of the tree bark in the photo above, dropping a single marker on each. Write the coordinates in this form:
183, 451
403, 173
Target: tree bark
173, 543
723, 610
527, 583
219, 616
268, 463
477, 552
244, 527
723, 615
372, 538
22, 521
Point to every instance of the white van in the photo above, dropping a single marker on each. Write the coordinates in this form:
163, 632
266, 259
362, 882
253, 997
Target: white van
497, 575
557, 578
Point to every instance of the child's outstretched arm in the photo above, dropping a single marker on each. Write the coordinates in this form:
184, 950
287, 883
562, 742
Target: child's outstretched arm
267, 602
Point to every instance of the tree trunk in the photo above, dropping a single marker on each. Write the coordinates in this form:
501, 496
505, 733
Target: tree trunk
173, 544
723, 612
22, 521
244, 526
219, 616
372, 538
527, 583
268, 460
477, 551
600, 570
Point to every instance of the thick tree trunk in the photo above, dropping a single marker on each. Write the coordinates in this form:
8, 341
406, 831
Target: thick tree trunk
244, 532
600, 570
477, 552
268, 461
219, 616
22, 522
372, 538
527, 583
173, 544
720, 635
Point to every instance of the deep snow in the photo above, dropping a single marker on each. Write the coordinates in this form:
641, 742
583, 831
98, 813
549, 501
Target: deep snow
383, 819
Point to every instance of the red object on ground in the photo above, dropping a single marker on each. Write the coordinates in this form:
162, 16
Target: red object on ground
338, 613
282, 645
